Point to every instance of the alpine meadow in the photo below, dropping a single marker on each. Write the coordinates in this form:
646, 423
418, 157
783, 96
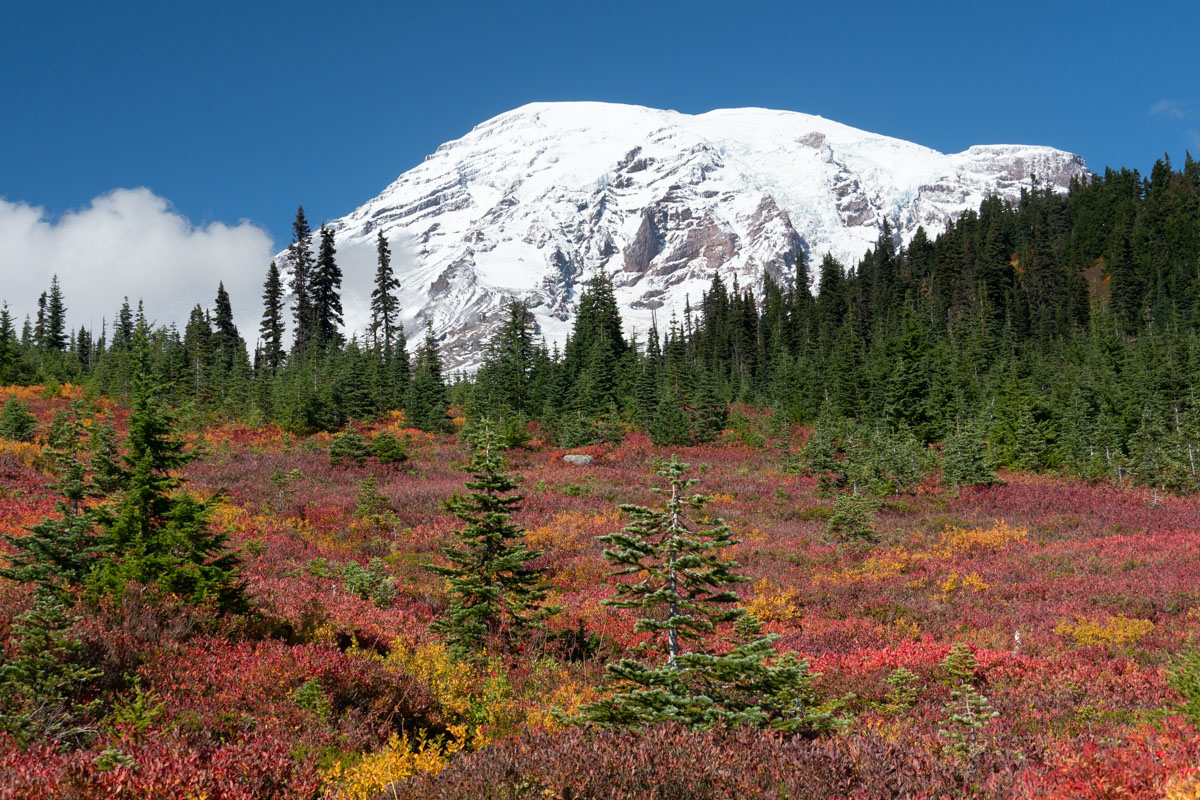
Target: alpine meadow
615, 454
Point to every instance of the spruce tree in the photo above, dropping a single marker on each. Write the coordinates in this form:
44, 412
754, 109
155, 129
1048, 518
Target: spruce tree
54, 335
385, 306
58, 552
326, 293
427, 398
271, 330
160, 534
300, 264
496, 595
16, 422
683, 590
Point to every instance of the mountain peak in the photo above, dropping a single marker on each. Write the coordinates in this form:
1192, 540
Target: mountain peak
533, 201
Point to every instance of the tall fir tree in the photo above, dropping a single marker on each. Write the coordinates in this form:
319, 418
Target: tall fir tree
427, 397
271, 329
385, 305
301, 265
54, 335
326, 293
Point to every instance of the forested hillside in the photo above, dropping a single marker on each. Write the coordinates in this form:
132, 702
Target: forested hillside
1063, 330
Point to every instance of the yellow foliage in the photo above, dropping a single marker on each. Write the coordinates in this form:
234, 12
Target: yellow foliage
67, 391
1119, 630
398, 761
451, 682
904, 628
572, 531
771, 603
887, 564
27, 454
955, 582
964, 541
567, 698
1184, 787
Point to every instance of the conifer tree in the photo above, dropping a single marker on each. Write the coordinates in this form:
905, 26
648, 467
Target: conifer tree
160, 534
683, 590
226, 341
54, 335
385, 306
326, 293
670, 426
301, 266
427, 398
16, 423
57, 552
40, 684
966, 461
271, 330
107, 473
10, 347
496, 595
197, 342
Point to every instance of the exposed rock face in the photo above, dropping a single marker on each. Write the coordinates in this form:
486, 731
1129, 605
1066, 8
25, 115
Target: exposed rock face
531, 203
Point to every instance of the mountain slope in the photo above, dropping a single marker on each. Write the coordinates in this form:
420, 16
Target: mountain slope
532, 202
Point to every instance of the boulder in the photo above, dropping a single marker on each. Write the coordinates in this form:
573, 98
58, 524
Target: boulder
578, 459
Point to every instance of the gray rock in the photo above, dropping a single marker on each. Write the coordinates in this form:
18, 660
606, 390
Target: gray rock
578, 459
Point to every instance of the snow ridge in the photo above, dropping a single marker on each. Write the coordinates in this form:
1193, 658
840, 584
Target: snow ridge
531, 203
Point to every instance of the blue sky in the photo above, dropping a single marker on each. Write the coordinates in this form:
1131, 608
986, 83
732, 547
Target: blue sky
240, 111
243, 110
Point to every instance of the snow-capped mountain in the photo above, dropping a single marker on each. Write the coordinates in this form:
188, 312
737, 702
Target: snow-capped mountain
532, 202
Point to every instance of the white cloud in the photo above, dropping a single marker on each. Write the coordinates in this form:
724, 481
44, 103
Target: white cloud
1169, 108
130, 242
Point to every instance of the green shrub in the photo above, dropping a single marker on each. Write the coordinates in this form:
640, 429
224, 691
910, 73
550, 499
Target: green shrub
389, 449
370, 582
16, 423
348, 446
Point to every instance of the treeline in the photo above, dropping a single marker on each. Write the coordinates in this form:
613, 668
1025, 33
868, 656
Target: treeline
1063, 328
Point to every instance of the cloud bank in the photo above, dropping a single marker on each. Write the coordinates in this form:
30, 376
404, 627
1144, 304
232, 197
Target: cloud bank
130, 242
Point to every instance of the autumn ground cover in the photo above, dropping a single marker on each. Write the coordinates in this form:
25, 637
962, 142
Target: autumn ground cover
1074, 599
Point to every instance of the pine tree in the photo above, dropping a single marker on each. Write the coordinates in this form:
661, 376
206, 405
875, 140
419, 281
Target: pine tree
271, 330
58, 552
496, 595
427, 399
385, 306
16, 423
326, 293
683, 591
38, 686
54, 335
300, 264
160, 534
